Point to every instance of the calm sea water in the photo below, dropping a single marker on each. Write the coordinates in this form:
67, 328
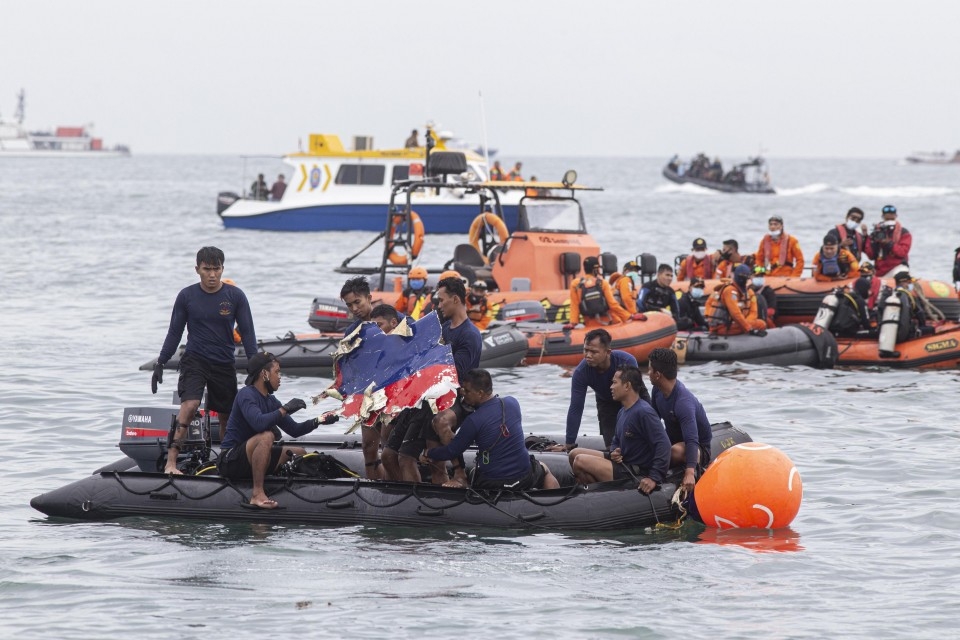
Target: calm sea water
93, 254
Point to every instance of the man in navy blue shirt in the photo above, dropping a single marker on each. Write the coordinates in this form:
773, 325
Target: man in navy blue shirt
249, 450
465, 342
596, 371
503, 461
687, 425
208, 310
640, 449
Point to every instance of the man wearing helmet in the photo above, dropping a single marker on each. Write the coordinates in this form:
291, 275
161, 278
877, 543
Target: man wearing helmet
733, 309
416, 300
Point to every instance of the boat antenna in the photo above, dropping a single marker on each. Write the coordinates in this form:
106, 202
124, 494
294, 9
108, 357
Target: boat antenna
483, 129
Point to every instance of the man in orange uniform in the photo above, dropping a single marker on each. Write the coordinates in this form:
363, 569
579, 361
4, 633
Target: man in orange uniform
833, 263
733, 309
625, 286
779, 252
591, 299
477, 305
416, 300
698, 263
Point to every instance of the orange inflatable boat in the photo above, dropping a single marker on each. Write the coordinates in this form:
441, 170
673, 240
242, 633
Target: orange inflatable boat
939, 350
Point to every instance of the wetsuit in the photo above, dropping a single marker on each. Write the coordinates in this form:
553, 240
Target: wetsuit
255, 413
607, 408
690, 317
686, 422
655, 297
208, 359
642, 442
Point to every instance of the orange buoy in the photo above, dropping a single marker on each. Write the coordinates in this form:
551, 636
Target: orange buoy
749, 485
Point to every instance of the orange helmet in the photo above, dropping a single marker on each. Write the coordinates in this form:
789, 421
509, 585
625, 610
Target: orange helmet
450, 273
417, 273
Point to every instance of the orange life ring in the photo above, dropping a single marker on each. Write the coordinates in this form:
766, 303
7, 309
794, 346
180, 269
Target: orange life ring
401, 258
484, 220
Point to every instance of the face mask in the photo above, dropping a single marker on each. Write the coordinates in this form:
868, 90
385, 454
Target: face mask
910, 287
696, 293
416, 285
699, 255
635, 277
852, 224
726, 255
758, 282
775, 234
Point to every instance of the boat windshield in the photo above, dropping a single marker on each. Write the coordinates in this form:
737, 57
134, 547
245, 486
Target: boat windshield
554, 214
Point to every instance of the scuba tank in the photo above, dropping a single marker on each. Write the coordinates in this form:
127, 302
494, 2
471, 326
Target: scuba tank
828, 308
889, 327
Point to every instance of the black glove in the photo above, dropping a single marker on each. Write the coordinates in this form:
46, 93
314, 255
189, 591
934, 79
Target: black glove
294, 405
327, 418
157, 377
759, 332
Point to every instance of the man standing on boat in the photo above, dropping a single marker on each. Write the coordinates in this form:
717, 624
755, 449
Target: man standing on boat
779, 252
640, 448
684, 417
249, 449
278, 188
849, 237
208, 310
596, 372
413, 141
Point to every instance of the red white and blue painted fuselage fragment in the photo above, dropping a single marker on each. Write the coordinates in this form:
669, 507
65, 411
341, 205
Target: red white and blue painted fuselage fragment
378, 373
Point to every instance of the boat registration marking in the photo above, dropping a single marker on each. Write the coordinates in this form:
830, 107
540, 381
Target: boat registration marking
940, 345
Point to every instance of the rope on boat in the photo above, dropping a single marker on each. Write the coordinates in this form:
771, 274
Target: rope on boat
170, 482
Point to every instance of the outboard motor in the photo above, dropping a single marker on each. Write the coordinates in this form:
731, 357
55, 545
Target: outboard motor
889, 327
828, 309
224, 201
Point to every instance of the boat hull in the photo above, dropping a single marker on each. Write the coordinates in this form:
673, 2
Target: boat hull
110, 495
448, 217
672, 176
940, 350
311, 354
784, 346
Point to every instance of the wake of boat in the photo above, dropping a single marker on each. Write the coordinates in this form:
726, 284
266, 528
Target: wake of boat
899, 192
816, 187
687, 188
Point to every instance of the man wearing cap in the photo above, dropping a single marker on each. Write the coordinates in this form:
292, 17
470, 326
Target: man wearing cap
625, 286
208, 310
833, 262
779, 252
591, 299
698, 263
477, 305
849, 236
889, 244
249, 450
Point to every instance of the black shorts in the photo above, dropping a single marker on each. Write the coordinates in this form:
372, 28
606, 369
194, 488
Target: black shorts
532, 480
620, 471
220, 381
235, 465
410, 430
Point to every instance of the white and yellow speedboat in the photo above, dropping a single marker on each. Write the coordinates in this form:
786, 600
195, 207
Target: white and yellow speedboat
334, 189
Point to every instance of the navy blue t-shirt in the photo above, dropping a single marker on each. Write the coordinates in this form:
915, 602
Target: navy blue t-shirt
685, 419
642, 440
466, 343
209, 319
501, 455
586, 376
255, 413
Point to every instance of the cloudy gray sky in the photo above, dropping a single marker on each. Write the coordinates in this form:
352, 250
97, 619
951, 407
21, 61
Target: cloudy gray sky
814, 78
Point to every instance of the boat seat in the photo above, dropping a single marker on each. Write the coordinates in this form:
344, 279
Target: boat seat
468, 254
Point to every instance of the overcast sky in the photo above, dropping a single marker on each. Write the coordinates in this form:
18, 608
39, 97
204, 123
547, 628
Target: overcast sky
632, 78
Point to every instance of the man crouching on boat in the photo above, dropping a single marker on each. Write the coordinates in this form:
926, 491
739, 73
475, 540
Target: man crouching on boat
503, 461
640, 448
248, 450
